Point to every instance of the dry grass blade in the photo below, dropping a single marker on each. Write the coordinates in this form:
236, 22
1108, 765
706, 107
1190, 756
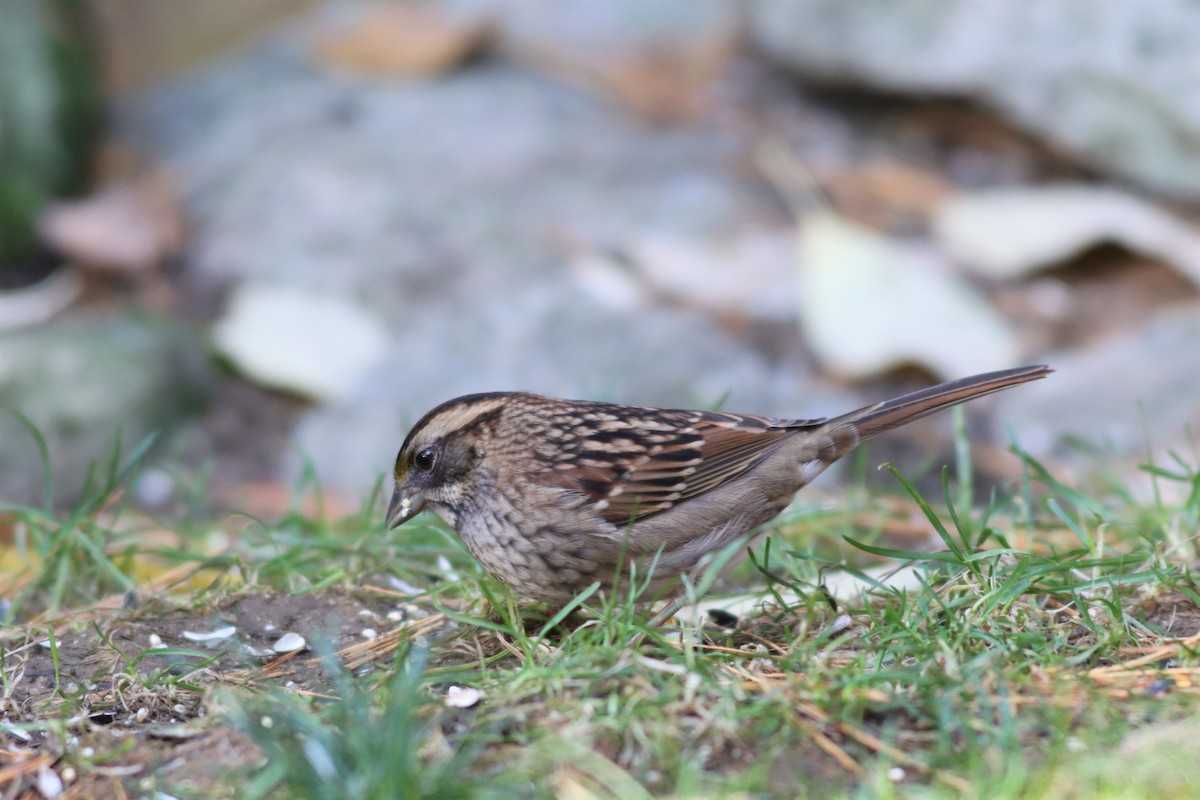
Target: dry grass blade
821, 740
352, 656
874, 743
1159, 653
27, 764
361, 653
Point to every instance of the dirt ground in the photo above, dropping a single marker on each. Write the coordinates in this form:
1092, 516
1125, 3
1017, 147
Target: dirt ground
135, 711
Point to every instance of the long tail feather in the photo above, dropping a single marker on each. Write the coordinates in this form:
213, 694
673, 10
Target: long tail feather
875, 419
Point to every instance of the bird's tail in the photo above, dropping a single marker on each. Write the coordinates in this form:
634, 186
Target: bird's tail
875, 419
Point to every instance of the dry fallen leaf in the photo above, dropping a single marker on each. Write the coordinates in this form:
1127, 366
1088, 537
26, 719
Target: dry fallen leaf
882, 193
128, 228
663, 74
667, 85
402, 40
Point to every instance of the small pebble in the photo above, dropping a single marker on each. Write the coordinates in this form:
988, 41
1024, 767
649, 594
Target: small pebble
18, 733
289, 643
841, 623
896, 774
48, 783
154, 487
395, 615
156, 640
443, 564
210, 636
369, 633
404, 586
463, 696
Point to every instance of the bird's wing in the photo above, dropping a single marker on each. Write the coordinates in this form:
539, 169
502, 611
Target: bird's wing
633, 465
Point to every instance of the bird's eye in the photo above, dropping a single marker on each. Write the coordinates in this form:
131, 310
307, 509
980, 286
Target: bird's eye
423, 459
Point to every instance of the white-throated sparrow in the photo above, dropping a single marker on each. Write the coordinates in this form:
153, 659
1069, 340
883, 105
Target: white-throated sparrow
551, 495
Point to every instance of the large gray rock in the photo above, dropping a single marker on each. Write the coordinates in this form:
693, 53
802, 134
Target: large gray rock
396, 192
451, 210
84, 383
1118, 83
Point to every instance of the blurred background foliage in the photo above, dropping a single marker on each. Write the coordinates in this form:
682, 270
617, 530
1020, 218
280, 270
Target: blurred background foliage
50, 120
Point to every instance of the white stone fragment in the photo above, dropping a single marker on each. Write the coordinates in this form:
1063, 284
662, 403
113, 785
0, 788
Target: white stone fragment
49, 785
463, 697
319, 346
210, 636
404, 586
289, 643
447, 569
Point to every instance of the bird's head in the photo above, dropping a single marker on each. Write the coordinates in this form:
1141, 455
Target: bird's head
438, 466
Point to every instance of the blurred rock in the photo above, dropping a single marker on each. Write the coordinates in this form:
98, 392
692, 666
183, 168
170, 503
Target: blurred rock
750, 276
394, 193
129, 228
298, 341
83, 383
1114, 82
1140, 386
869, 303
401, 40
40, 302
1005, 234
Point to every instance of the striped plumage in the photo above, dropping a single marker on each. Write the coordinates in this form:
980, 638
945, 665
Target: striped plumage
551, 495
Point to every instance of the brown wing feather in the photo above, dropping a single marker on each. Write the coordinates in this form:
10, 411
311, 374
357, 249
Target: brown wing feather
631, 470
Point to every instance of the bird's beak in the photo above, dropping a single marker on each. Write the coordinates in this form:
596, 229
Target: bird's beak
403, 507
